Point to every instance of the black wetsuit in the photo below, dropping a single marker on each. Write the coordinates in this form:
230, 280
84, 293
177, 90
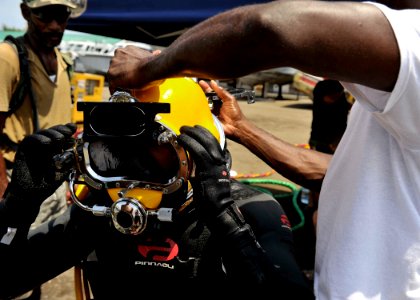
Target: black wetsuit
180, 258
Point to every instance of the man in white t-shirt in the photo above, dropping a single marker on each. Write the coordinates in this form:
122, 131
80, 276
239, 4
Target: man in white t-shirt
368, 234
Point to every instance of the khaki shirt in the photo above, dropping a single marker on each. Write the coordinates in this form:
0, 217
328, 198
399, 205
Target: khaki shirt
53, 99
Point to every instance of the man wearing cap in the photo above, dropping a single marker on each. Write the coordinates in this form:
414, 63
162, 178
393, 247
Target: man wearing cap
50, 87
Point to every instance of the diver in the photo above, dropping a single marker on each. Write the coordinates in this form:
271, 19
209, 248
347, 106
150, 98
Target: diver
154, 213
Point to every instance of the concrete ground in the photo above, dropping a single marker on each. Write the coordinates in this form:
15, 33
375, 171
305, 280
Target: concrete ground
287, 119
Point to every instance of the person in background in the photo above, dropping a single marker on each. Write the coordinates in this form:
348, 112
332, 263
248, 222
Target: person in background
47, 101
49, 84
371, 49
329, 115
330, 110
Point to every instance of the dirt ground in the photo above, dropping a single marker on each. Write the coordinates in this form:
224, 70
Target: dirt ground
287, 119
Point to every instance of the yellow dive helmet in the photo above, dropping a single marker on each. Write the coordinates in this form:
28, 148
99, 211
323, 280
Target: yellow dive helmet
189, 105
130, 149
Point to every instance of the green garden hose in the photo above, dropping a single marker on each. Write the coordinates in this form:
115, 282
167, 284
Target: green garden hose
295, 193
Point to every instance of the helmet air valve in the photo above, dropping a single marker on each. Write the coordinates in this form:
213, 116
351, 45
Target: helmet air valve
129, 216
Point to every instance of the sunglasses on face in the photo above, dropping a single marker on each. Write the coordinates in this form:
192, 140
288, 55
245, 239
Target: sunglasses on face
49, 13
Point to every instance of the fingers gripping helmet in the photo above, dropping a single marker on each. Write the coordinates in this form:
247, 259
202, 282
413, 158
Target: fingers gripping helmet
130, 149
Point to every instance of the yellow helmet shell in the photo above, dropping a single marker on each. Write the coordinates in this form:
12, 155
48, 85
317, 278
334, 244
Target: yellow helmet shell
189, 105
150, 199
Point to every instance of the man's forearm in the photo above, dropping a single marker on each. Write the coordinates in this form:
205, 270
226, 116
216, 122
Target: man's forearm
302, 166
220, 47
211, 48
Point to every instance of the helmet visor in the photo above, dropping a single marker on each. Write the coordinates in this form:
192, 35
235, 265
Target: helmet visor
123, 144
130, 159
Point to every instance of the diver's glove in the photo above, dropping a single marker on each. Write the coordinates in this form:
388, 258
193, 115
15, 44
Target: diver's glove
215, 205
34, 176
211, 183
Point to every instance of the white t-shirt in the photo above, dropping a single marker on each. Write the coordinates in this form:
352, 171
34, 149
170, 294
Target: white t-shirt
368, 238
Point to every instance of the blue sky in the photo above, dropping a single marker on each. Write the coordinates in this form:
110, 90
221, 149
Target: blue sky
10, 14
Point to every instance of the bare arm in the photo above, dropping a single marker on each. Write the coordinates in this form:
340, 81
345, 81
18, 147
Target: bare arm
347, 41
302, 166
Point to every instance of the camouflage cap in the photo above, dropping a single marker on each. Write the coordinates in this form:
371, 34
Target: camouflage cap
41, 3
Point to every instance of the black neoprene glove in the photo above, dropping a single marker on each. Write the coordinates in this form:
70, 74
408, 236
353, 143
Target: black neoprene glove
34, 176
216, 207
211, 183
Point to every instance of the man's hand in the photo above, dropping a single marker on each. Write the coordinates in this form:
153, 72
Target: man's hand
230, 114
126, 69
34, 175
211, 183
